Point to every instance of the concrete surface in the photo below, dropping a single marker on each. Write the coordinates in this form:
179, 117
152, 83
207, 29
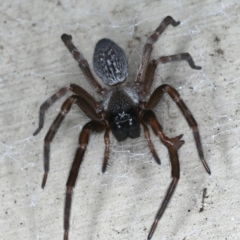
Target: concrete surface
122, 203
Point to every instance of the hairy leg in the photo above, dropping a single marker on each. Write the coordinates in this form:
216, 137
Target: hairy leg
88, 110
60, 93
147, 50
155, 98
83, 64
172, 144
90, 127
147, 83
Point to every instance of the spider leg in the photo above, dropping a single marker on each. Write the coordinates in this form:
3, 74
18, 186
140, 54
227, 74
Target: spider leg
155, 98
86, 108
61, 92
147, 50
90, 127
150, 144
173, 144
147, 83
83, 64
177, 57
107, 150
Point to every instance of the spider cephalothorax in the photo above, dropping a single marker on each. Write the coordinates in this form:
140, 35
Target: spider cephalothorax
121, 110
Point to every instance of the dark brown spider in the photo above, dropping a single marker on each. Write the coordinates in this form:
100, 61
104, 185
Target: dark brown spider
122, 109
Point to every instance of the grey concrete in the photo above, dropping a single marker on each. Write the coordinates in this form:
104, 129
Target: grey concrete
122, 203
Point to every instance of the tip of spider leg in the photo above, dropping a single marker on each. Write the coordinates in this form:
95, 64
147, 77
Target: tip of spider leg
157, 159
44, 180
104, 168
177, 23
198, 67
158, 162
105, 165
66, 37
206, 166
37, 131
180, 136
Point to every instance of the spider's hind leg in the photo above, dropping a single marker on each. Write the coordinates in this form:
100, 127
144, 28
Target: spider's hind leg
90, 127
172, 144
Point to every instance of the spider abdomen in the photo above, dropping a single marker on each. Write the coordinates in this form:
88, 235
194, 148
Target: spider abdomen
121, 107
110, 62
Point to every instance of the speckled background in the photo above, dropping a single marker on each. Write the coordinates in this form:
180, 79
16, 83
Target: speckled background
122, 203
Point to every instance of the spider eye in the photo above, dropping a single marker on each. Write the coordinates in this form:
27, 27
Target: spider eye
125, 125
110, 62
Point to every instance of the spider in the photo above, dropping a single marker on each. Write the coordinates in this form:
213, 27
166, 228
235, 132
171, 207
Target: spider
122, 110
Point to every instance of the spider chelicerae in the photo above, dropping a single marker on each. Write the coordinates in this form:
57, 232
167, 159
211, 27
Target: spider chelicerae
122, 109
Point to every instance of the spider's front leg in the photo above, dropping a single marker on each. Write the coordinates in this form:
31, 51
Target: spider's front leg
173, 144
60, 93
152, 66
87, 109
83, 64
148, 47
